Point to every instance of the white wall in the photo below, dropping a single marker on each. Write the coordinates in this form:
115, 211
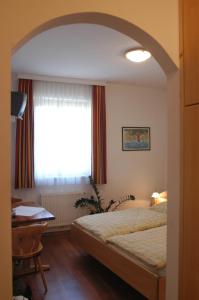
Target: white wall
14, 86
174, 176
136, 172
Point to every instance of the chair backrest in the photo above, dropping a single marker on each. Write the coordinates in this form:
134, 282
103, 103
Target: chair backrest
15, 200
26, 239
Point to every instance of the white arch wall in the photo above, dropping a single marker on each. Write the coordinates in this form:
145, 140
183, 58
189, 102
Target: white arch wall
173, 180
158, 18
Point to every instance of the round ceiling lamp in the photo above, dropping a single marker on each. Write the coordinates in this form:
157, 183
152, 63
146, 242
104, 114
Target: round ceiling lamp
137, 55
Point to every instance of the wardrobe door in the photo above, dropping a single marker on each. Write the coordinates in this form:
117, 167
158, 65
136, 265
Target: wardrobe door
190, 228
190, 41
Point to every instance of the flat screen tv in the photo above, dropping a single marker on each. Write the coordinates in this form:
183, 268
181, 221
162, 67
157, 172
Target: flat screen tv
18, 104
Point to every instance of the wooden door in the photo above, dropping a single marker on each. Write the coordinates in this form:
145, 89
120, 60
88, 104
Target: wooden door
190, 41
190, 217
189, 248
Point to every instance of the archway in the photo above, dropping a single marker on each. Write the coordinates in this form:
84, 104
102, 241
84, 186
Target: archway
113, 22
118, 24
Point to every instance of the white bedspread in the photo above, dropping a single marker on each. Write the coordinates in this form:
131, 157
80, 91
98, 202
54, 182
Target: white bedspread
149, 246
105, 225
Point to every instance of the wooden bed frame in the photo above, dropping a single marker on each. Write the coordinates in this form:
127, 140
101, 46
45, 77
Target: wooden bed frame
147, 283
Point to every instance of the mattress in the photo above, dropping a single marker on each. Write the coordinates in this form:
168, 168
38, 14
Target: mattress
109, 224
148, 246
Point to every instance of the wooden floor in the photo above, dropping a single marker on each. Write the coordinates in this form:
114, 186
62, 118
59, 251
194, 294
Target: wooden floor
74, 275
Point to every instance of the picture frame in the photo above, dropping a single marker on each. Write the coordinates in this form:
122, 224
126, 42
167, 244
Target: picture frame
136, 139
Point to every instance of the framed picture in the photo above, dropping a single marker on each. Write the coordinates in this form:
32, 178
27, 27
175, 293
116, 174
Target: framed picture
136, 138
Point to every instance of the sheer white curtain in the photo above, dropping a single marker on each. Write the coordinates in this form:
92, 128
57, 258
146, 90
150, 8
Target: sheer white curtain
62, 128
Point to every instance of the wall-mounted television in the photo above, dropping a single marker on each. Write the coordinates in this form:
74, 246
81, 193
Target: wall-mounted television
18, 104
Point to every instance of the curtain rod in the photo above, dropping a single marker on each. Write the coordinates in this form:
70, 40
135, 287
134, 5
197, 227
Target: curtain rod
60, 79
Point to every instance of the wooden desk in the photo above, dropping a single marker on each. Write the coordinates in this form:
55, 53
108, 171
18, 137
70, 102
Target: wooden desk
21, 220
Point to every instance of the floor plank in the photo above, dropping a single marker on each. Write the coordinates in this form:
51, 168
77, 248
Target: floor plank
74, 275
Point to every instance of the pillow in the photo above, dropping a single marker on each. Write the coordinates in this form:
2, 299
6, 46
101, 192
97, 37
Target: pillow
163, 195
134, 203
160, 207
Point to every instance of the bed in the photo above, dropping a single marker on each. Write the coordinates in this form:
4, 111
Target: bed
105, 225
103, 244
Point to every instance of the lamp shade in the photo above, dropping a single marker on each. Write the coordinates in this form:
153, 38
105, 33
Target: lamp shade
137, 55
155, 195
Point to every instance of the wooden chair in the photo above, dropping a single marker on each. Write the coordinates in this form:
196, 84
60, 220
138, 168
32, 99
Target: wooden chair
18, 201
15, 200
26, 245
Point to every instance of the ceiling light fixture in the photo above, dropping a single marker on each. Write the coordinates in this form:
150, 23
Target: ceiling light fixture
137, 55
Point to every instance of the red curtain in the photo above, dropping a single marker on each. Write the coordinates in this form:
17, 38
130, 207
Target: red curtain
24, 160
99, 136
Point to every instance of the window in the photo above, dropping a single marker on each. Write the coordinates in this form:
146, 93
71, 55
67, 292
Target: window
62, 132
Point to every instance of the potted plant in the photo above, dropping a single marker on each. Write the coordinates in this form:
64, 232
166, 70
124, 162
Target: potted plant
95, 203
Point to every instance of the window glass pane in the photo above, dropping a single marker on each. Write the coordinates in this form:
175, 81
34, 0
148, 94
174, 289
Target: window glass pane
62, 141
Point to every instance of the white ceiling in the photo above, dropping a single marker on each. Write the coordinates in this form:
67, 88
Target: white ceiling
86, 51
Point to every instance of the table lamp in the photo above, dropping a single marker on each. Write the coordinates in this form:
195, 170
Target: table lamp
155, 197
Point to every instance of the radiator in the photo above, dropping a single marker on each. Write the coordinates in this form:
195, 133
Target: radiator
62, 207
